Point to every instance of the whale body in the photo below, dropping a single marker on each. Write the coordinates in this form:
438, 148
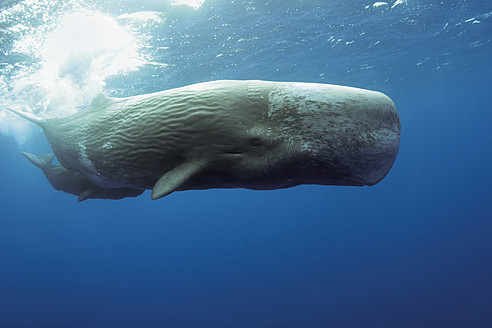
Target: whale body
223, 134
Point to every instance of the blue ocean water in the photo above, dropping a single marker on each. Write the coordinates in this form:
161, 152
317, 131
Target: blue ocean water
412, 251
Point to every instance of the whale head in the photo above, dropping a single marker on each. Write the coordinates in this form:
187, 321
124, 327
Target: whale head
320, 134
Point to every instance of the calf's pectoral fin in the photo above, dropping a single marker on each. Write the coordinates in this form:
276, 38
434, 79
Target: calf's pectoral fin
172, 180
85, 195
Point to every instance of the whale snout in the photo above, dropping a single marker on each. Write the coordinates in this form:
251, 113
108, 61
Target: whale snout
365, 140
350, 136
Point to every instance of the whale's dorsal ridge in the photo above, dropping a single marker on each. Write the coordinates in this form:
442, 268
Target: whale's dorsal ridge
100, 100
175, 178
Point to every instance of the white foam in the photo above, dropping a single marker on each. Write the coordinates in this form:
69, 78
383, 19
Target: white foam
398, 2
73, 61
379, 4
196, 4
143, 16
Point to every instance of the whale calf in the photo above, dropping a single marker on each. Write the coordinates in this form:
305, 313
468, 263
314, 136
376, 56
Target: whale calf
222, 134
73, 182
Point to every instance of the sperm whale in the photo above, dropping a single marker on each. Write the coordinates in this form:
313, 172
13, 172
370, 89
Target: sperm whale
250, 134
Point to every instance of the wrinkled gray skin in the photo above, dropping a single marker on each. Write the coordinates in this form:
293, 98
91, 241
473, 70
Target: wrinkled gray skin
224, 134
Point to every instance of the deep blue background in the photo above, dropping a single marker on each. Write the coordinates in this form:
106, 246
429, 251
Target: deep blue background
412, 251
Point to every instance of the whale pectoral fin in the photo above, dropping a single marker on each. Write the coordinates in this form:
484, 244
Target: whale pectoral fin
172, 180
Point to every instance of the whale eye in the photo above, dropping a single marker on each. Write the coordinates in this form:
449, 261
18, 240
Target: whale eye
255, 142
235, 151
